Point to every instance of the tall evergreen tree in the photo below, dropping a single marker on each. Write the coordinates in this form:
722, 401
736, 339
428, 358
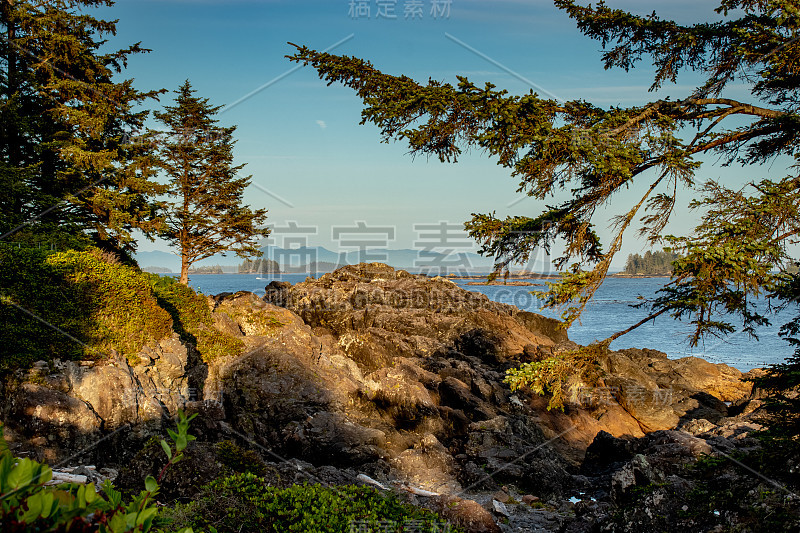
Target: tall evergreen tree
205, 215
67, 163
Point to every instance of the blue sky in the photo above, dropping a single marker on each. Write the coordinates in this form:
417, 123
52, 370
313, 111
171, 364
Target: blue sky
312, 162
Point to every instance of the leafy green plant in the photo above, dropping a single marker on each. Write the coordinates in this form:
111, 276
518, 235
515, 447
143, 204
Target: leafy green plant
180, 439
240, 460
27, 504
244, 502
554, 373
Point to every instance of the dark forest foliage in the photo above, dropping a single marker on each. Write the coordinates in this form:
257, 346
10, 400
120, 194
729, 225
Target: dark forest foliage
69, 169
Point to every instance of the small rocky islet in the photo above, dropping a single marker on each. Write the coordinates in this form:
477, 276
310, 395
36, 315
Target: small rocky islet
371, 375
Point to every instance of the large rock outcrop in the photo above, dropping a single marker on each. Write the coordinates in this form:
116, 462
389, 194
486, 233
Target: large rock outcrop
404, 375
379, 371
56, 410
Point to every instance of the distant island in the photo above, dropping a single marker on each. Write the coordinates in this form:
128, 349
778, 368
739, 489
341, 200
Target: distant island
211, 269
652, 264
512, 275
259, 266
157, 270
501, 282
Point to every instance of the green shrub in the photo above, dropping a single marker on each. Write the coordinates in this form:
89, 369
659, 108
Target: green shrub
73, 305
192, 318
244, 502
122, 307
83, 304
26, 504
554, 373
26, 281
240, 460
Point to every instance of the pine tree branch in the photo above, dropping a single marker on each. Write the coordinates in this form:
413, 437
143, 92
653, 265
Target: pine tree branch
625, 331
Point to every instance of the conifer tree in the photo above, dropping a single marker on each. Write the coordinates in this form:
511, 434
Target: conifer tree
67, 164
204, 214
740, 247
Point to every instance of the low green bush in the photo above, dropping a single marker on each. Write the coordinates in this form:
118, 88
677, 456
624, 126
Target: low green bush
192, 318
122, 311
27, 504
84, 304
244, 502
73, 305
240, 460
26, 282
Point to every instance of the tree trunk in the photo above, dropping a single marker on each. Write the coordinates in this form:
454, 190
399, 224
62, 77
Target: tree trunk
12, 126
184, 270
11, 83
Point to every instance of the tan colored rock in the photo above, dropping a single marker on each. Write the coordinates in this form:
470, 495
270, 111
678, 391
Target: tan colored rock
543, 326
653, 370
501, 496
250, 315
49, 424
466, 514
428, 465
388, 309
722, 381
112, 392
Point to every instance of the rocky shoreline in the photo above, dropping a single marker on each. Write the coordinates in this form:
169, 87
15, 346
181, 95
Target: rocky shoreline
371, 375
520, 283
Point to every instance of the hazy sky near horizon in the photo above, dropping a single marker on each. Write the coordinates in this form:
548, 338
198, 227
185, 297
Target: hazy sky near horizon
314, 165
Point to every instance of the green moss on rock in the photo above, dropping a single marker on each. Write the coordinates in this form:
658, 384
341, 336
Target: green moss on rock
239, 460
78, 305
192, 318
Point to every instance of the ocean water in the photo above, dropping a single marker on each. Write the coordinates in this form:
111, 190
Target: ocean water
609, 312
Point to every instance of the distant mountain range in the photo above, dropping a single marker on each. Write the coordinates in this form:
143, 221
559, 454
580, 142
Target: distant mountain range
298, 258
320, 259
